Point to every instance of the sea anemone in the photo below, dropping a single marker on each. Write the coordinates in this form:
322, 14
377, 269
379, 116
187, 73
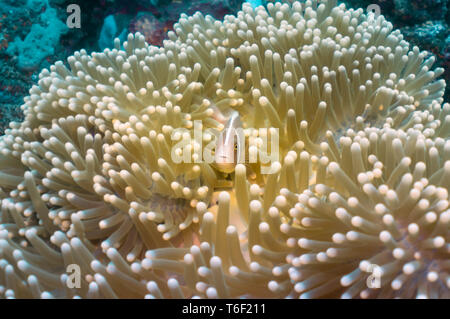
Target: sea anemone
382, 211
90, 177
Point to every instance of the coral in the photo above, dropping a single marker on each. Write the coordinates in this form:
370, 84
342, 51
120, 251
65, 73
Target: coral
405, 12
8, 113
153, 30
110, 30
90, 176
154, 24
108, 33
255, 3
15, 83
423, 10
37, 5
39, 42
18, 16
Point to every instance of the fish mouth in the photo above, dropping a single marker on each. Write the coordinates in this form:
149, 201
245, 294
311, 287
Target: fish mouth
226, 159
225, 165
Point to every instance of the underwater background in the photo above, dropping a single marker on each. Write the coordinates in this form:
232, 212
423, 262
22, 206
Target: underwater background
34, 34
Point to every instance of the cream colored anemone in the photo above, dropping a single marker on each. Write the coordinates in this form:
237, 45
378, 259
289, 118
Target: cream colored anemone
239, 254
381, 210
89, 176
364, 214
320, 68
84, 161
